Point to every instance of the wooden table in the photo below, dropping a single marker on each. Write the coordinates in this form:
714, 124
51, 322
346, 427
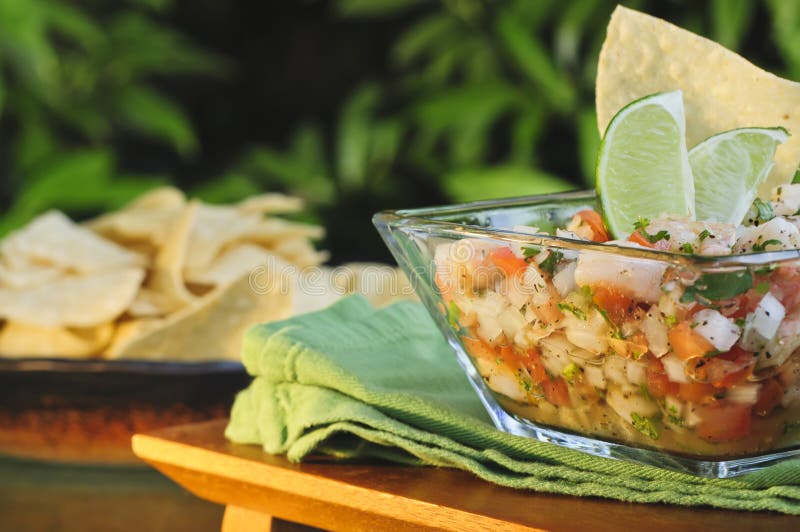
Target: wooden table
257, 486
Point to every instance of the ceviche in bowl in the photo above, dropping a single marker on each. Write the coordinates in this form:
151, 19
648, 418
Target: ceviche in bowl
676, 346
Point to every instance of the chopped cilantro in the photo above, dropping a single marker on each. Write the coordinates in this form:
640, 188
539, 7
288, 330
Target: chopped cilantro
704, 234
717, 286
549, 264
530, 251
762, 246
740, 322
604, 314
760, 212
571, 371
670, 320
765, 270
762, 287
645, 392
661, 235
453, 314
566, 307
616, 333
673, 416
687, 248
796, 178
644, 425
641, 224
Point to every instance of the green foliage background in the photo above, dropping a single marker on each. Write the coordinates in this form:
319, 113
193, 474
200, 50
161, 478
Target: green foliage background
479, 99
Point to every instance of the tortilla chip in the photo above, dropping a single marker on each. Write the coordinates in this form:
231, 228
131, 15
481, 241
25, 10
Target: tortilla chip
209, 329
230, 265
52, 239
274, 230
216, 227
167, 275
149, 303
146, 219
32, 275
270, 204
73, 301
24, 340
721, 90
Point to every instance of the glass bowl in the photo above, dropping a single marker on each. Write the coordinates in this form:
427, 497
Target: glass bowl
594, 346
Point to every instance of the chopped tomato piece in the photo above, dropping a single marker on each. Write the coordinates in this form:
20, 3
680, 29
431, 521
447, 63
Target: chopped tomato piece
445, 288
727, 369
658, 384
614, 303
595, 223
723, 422
549, 311
787, 282
696, 392
742, 305
509, 263
637, 238
535, 366
769, 397
477, 348
686, 343
556, 391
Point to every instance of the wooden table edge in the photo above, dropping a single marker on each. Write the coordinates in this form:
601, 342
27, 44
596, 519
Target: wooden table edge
166, 455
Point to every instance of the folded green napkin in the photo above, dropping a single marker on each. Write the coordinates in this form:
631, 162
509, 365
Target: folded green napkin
352, 381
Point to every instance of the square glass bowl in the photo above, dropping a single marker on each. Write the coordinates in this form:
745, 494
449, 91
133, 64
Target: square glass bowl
592, 346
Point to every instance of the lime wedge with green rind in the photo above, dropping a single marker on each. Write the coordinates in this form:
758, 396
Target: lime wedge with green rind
728, 169
643, 166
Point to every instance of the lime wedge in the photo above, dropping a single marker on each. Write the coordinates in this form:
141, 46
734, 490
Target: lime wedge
643, 167
729, 167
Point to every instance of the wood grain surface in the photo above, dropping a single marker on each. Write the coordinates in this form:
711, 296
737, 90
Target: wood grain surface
339, 496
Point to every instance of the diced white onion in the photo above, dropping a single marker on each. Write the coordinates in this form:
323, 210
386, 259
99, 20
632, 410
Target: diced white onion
564, 279
636, 372
762, 324
744, 394
614, 369
655, 331
673, 366
511, 321
594, 375
590, 334
716, 328
627, 404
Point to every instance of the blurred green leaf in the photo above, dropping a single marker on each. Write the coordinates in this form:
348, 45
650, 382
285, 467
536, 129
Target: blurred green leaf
146, 111
156, 5
588, 144
371, 8
73, 181
74, 24
229, 188
785, 16
729, 21
141, 46
572, 29
501, 182
525, 132
424, 37
353, 136
533, 60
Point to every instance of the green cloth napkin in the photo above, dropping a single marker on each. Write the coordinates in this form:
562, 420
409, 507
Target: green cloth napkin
353, 381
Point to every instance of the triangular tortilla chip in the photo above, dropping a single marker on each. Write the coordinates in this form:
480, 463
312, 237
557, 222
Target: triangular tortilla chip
721, 90
211, 328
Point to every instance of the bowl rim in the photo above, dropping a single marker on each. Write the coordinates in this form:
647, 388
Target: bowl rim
424, 220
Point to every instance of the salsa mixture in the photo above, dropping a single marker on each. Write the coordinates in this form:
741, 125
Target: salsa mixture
639, 350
